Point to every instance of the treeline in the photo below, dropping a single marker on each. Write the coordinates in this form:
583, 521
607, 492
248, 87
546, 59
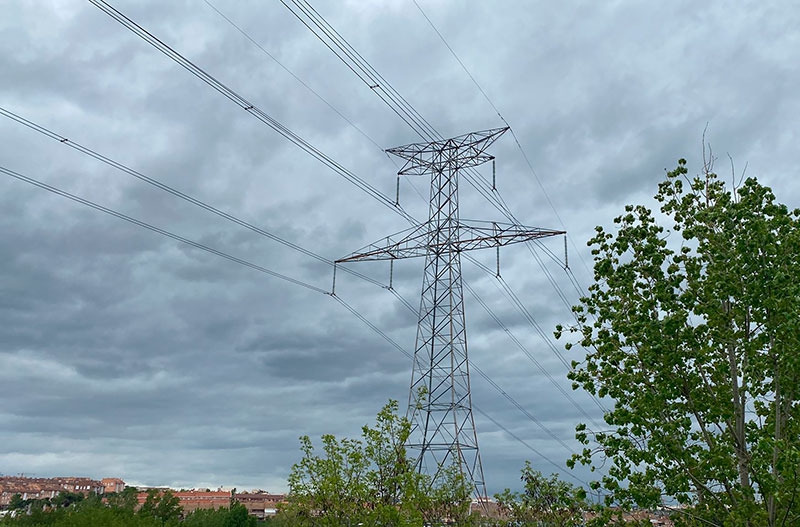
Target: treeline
161, 509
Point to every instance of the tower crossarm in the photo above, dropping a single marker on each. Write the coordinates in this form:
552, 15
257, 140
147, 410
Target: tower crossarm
464, 151
419, 241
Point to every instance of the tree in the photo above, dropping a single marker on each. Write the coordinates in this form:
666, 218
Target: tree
162, 505
17, 502
239, 517
66, 498
234, 516
695, 337
127, 499
544, 501
371, 481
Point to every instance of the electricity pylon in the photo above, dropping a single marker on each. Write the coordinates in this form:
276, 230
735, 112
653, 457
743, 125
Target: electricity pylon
440, 403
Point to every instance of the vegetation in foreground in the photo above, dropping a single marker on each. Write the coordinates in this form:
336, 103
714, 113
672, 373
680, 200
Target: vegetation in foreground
693, 330
120, 510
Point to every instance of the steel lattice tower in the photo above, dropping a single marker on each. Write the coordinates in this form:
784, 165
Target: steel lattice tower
443, 425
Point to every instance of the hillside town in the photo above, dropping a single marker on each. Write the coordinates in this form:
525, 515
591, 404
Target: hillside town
260, 504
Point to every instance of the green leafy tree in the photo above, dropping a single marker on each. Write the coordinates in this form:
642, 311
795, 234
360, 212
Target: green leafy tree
206, 518
693, 330
545, 501
332, 487
162, 505
371, 481
66, 498
234, 516
16, 502
127, 499
239, 517
105, 517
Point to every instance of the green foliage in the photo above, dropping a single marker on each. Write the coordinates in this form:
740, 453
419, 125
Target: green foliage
105, 517
159, 510
127, 499
239, 517
235, 516
371, 481
544, 501
695, 337
89, 512
65, 498
16, 502
162, 505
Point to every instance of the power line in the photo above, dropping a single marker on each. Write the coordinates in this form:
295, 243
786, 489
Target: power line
354, 61
331, 38
373, 76
158, 230
376, 82
177, 193
290, 72
461, 63
520, 306
245, 263
528, 354
369, 75
331, 30
529, 447
306, 85
513, 134
63, 140
248, 106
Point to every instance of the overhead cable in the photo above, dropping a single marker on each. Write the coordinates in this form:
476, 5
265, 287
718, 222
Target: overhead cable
158, 230
261, 269
257, 112
247, 106
177, 193
290, 72
369, 75
513, 134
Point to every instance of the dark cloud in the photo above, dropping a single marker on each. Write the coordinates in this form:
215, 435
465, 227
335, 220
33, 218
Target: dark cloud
128, 354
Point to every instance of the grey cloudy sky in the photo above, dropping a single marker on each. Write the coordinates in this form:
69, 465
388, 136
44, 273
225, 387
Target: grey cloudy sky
125, 353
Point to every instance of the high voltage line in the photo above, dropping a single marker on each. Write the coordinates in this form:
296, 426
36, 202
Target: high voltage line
290, 72
378, 84
513, 134
390, 96
119, 166
246, 105
291, 280
166, 188
367, 74
394, 95
354, 61
241, 101
158, 230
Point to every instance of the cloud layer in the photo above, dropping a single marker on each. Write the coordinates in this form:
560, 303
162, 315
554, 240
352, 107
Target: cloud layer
130, 354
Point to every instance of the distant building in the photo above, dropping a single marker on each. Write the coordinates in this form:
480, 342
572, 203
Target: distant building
112, 485
191, 500
46, 488
485, 506
259, 503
